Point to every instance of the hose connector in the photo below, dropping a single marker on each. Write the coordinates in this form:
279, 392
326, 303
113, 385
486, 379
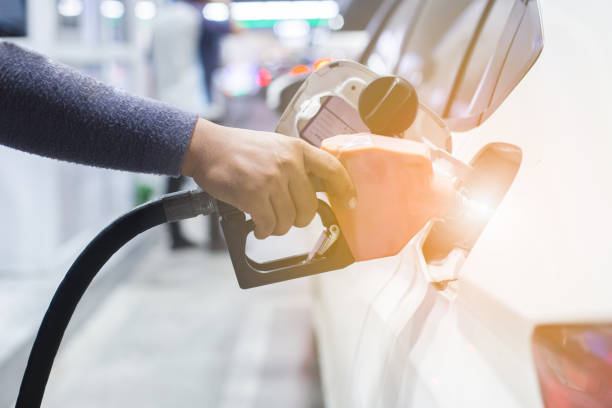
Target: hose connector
188, 204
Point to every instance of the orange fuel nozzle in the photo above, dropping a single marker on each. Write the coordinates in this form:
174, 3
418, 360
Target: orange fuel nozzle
398, 192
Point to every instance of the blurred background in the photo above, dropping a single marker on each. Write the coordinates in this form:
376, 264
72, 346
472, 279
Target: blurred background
165, 324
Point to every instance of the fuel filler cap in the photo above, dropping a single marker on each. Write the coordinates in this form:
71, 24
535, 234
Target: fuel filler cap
388, 105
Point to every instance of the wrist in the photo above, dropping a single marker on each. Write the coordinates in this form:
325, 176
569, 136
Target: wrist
196, 149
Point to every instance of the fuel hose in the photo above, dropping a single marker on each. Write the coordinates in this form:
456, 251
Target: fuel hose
168, 208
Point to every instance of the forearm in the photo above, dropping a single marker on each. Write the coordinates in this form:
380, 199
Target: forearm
51, 110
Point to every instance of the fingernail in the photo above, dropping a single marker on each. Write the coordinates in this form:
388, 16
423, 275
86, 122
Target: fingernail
352, 203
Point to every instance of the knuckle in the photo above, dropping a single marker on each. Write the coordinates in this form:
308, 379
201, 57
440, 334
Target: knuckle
297, 143
265, 180
287, 161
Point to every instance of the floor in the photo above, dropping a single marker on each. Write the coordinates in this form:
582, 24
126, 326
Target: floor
179, 332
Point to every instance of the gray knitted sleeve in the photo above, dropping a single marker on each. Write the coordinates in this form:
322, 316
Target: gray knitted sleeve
49, 109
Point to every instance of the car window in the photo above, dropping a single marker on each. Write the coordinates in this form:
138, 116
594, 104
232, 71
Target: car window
388, 46
434, 52
525, 48
516, 30
497, 14
454, 53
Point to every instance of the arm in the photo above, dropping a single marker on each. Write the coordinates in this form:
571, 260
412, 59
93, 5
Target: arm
54, 111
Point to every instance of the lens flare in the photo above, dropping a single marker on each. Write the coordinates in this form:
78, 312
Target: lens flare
479, 208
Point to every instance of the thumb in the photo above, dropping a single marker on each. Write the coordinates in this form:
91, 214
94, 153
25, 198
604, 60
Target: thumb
326, 167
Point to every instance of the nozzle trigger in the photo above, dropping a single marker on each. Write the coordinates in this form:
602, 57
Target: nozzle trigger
330, 254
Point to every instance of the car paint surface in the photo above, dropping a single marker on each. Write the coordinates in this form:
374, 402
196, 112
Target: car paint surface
389, 338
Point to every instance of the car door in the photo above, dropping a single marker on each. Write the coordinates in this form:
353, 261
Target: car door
385, 326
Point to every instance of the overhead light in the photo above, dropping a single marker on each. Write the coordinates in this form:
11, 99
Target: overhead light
70, 8
216, 11
112, 9
292, 29
284, 10
145, 10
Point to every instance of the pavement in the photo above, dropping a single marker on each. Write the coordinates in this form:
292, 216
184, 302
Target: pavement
179, 332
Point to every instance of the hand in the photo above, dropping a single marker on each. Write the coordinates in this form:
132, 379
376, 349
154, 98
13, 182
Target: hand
266, 175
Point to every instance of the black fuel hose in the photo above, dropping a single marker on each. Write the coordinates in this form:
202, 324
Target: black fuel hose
173, 207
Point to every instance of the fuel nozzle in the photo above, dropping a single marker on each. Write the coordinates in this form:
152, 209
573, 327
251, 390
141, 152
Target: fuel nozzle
401, 186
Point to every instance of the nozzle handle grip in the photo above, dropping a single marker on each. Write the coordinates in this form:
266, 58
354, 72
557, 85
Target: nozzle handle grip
250, 273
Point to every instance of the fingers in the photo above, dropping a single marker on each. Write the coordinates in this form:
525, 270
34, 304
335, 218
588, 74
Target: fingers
329, 169
275, 215
284, 210
287, 195
304, 199
264, 219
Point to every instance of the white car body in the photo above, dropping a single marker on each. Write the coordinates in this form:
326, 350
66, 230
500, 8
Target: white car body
388, 337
